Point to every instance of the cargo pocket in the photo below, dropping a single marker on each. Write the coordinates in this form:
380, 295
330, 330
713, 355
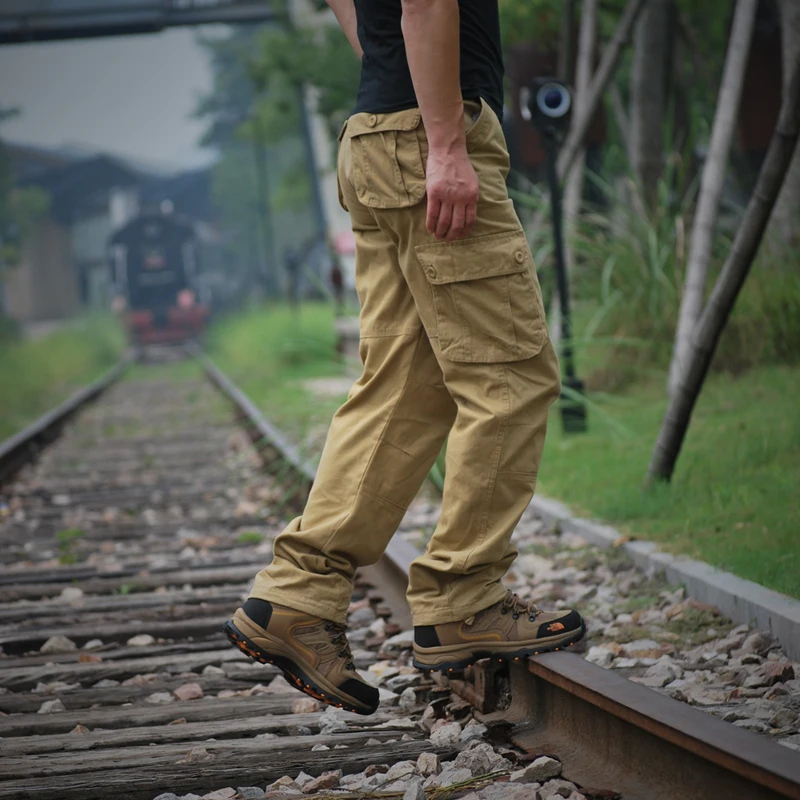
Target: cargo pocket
385, 166
487, 298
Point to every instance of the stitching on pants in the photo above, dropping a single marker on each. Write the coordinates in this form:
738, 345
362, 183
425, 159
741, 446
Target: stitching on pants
396, 447
375, 448
385, 500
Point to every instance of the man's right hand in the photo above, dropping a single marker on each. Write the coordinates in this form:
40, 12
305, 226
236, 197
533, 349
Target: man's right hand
452, 186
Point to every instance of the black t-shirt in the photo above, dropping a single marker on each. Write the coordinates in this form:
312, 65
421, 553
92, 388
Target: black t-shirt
385, 78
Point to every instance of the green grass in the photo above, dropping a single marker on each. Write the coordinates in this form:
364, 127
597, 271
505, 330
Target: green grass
37, 375
734, 498
270, 352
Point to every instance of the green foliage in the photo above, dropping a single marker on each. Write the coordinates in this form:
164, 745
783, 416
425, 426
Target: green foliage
254, 122
67, 539
250, 537
627, 283
321, 58
632, 266
36, 375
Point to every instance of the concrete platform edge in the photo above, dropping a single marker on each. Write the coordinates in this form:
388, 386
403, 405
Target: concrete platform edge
741, 600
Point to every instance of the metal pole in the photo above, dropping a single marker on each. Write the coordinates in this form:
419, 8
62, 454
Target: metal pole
573, 412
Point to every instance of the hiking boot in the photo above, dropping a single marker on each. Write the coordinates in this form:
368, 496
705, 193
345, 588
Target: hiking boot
508, 630
312, 653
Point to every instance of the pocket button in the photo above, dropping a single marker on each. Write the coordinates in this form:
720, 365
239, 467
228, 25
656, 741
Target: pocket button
519, 256
372, 121
430, 272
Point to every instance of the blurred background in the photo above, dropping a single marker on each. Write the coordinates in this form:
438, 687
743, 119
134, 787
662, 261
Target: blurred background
194, 141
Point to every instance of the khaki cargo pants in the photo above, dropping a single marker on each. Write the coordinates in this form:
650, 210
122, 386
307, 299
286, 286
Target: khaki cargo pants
454, 343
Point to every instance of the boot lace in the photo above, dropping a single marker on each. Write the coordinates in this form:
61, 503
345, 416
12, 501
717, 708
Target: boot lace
516, 605
339, 639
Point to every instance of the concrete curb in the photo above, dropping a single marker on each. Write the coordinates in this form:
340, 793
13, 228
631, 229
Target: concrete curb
741, 600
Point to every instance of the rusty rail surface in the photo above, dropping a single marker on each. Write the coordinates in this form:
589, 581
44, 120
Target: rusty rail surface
610, 733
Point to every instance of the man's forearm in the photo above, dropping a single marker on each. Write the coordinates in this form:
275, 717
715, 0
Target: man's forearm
345, 13
431, 34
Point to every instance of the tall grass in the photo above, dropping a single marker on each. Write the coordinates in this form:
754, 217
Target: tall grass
627, 277
37, 375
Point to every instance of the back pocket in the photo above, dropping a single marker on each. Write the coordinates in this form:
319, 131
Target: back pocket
487, 298
386, 167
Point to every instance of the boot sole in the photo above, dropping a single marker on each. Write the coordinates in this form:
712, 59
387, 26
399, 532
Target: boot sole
293, 672
548, 646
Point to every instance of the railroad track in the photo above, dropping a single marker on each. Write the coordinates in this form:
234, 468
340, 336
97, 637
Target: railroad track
128, 541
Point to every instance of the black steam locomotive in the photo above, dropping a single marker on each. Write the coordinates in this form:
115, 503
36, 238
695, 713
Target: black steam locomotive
154, 264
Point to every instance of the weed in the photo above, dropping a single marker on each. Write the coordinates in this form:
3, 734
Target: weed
630, 633
250, 537
692, 625
66, 541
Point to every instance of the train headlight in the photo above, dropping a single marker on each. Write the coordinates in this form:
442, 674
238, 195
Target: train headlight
185, 298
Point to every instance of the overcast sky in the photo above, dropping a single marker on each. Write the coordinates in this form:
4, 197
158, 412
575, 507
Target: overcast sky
130, 95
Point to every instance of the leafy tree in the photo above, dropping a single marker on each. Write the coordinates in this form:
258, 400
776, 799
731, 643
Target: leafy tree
19, 207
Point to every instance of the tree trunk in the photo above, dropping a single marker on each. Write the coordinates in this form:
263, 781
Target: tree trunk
711, 186
650, 78
786, 217
706, 335
564, 69
583, 74
608, 63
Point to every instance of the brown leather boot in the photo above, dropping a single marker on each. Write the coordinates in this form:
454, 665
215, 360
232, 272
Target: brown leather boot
312, 653
508, 630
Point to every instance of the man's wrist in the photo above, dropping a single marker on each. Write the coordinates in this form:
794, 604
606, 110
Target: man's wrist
446, 132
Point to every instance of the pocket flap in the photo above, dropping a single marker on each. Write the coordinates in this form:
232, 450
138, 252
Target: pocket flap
362, 123
475, 258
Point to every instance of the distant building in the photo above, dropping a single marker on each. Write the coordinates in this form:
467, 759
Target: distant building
64, 261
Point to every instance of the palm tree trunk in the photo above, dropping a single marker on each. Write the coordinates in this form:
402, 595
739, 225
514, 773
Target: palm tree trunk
706, 334
711, 186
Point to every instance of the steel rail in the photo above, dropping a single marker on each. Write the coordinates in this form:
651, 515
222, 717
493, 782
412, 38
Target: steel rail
609, 732
23, 446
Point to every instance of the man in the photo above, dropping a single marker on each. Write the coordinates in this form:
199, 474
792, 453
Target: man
454, 343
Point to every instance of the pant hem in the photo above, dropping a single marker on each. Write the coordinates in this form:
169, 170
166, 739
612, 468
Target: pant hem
301, 603
440, 616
